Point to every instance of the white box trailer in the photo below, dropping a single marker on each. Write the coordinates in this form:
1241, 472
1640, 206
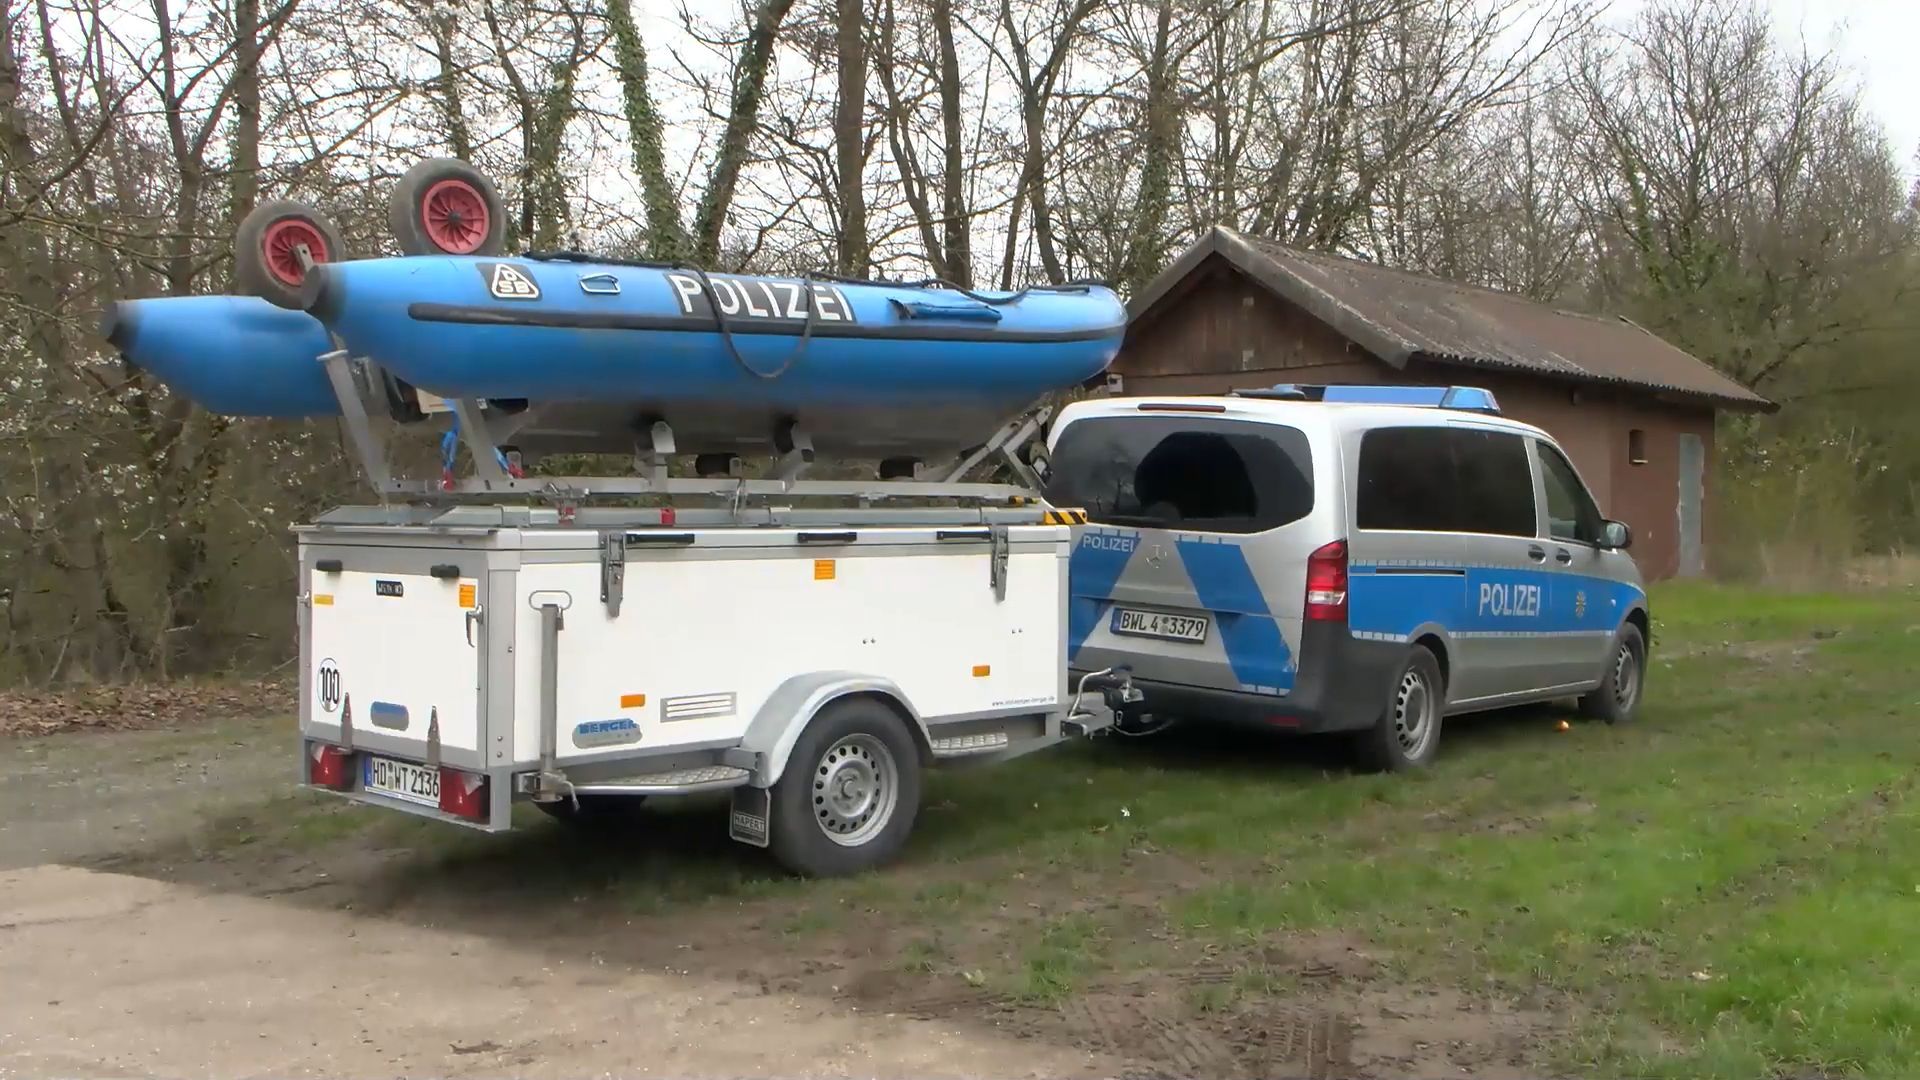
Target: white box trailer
457, 659
495, 654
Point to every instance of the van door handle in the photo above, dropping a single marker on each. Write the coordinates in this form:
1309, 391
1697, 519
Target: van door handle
1537, 553
1563, 557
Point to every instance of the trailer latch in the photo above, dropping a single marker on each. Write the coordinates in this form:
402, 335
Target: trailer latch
613, 570
997, 568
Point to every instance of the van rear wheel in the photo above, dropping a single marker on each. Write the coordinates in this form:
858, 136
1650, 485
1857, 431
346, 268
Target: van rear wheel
1407, 733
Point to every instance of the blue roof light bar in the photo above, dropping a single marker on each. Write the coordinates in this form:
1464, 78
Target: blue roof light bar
1464, 398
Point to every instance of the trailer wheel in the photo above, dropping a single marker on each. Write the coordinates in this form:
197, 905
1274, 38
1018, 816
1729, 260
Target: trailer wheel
267, 246
595, 811
444, 206
850, 792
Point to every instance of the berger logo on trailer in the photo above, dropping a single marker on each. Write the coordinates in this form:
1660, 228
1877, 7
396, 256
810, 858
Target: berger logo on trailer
508, 282
758, 298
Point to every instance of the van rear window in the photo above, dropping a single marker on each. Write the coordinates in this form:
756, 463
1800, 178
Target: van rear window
1182, 472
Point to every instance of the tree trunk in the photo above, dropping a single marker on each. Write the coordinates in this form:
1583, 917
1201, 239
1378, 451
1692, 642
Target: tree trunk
452, 107
1146, 245
246, 109
849, 137
666, 237
749, 86
956, 227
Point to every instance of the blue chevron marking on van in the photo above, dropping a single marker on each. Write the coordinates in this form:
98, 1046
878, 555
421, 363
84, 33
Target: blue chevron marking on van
1099, 557
1224, 584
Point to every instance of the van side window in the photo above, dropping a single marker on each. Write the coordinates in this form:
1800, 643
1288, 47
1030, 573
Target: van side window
1445, 479
1406, 480
1571, 513
1197, 473
1496, 483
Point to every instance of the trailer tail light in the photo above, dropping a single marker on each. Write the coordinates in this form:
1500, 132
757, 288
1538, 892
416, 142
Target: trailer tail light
463, 794
1327, 583
329, 766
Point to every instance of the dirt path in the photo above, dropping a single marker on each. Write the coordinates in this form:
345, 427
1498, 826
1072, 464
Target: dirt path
87, 795
111, 975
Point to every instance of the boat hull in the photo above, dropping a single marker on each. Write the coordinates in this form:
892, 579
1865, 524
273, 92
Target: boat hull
601, 351
237, 355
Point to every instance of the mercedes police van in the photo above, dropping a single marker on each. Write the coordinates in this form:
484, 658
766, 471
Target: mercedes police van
1365, 559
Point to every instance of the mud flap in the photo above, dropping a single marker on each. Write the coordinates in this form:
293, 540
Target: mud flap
752, 809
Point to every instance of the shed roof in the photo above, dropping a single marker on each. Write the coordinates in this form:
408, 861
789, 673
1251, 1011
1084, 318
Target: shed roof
1398, 316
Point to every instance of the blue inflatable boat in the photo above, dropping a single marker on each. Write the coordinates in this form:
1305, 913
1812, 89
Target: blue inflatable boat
866, 369
595, 352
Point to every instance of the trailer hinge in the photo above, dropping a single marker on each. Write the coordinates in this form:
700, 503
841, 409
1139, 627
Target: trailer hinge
997, 564
433, 737
613, 570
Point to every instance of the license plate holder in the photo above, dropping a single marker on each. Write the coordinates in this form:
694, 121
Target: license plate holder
1163, 625
403, 780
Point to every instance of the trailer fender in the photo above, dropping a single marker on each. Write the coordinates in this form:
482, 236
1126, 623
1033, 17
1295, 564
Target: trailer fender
792, 706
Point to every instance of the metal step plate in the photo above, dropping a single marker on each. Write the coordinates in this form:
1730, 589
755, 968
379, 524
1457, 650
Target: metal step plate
676, 782
960, 745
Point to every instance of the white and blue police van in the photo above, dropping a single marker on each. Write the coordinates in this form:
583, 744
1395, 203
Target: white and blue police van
1364, 559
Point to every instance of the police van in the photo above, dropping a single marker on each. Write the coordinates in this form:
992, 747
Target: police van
1364, 559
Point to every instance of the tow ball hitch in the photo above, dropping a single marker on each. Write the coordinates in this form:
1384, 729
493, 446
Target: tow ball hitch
1116, 693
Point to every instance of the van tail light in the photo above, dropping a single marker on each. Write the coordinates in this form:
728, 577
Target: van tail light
463, 794
329, 766
1327, 583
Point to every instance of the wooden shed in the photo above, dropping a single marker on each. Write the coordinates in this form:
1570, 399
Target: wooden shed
1635, 413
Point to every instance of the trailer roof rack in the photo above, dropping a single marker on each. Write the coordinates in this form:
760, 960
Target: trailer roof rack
1465, 398
355, 380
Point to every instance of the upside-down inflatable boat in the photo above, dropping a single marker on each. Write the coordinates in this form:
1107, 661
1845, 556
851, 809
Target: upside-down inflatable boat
597, 351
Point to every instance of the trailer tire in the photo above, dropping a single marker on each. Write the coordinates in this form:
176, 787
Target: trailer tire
850, 792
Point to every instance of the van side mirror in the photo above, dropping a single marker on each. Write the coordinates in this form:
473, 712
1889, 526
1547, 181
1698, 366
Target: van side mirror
1615, 536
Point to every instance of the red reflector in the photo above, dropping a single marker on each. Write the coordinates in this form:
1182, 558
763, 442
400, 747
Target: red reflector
463, 794
329, 766
667, 515
1327, 583
1284, 721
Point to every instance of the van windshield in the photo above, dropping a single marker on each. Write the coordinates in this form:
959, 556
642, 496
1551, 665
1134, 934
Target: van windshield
1183, 472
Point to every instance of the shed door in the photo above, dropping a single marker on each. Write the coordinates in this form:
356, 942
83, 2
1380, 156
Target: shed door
1693, 464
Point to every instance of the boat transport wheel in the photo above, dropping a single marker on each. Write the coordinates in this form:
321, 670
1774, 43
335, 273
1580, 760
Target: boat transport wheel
273, 245
444, 206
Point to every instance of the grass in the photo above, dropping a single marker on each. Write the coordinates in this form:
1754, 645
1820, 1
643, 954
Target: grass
1724, 889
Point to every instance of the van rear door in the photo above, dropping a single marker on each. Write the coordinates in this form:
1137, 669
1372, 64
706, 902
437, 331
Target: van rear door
1191, 569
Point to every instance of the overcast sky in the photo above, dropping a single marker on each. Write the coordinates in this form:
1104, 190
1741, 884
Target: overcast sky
1876, 38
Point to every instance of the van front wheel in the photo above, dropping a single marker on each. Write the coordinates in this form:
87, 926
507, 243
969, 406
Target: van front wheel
1407, 733
1618, 694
